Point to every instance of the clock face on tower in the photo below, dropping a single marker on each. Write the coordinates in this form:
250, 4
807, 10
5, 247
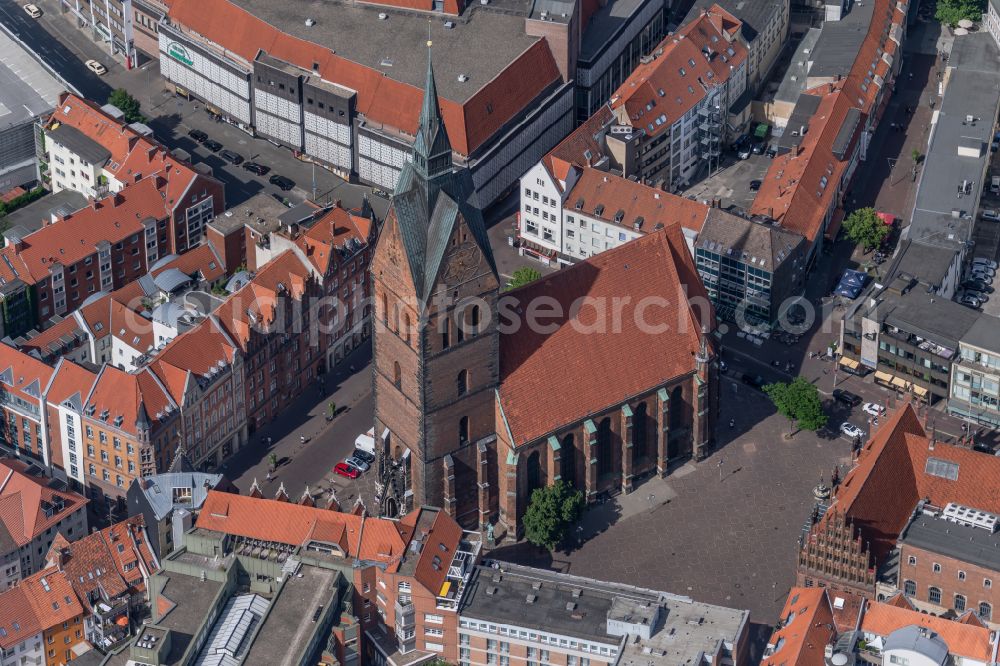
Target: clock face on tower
463, 264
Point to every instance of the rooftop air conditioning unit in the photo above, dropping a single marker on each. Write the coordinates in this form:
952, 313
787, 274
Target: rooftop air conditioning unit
310, 22
382, 16
449, 24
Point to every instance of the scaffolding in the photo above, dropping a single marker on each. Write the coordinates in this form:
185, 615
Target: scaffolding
711, 128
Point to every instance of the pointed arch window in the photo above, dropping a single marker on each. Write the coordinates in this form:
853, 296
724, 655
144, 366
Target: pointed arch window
397, 376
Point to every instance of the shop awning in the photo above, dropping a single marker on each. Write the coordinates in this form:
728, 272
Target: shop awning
883, 376
899, 382
919, 390
848, 362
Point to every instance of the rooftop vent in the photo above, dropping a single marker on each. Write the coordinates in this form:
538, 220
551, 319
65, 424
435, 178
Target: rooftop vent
449, 24
310, 22
382, 16
462, 78
530, 598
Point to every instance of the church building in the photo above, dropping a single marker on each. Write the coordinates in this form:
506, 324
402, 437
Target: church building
477, 404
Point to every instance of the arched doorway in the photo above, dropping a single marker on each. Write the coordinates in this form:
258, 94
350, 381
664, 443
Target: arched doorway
604, 454
567, 459
534, 470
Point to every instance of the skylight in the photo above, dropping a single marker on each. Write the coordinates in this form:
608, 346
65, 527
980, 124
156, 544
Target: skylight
942, 468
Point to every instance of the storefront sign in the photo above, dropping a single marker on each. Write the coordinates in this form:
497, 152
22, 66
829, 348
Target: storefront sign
179, 53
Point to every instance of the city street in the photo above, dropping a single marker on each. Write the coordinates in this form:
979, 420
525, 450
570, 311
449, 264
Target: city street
64, 48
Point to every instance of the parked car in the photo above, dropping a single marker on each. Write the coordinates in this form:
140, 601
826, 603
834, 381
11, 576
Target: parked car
754, 185
966, 299
846, 397
758, 147
96, 67
978, 295
363, 455
982, 274
744, 151
755, 381
198, 135
983, 261
32, 10
995, 185
740, 140
349, 471
873, 409
851, 430
357, 462
212, 145
991, 214
977, 285
254, 167
282, 183
232, 157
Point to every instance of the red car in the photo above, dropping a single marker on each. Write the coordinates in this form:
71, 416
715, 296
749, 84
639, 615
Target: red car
343, 469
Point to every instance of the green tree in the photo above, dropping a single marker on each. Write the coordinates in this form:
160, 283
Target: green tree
127, 104
950, 12
866, 227
916, 155
799, 402
272, 460
523, 276
551, 512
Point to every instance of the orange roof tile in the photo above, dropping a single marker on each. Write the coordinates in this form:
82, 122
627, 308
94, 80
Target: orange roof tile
806, 622
133, 156
380, 98
68, 381
23, 375
127, 395
879, 494
67, 241
660, 91
964, 640
294, 524
637, 201
583, 147
538, 369
21, 496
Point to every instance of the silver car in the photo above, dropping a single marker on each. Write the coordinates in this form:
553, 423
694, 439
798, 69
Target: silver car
357, 462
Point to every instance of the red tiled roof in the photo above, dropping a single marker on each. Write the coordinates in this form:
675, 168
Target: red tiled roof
807, 619
662, 90
39, 602
111, 562
198, 351
67, 241
294, 524
880, 493
329, 232
380, 98
440, 542
21, 498
125, 394
637, 200
963, 640
538, 369
69, 379
800, 186
28, 375
574, 149
261, 295
133, 156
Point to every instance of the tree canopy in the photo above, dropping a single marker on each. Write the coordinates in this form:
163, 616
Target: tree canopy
550, 514
128, 105
523, 276
866, 227
950, 12
799, 402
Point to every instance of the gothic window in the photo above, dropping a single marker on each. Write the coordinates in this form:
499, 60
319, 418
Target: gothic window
406, 325
959, 603
909, 588
463, 382
676, 407
985, 611
475, 319
385, 310
463, 429
934, 595
397, 376
639, 432
534, 472
604, 447
567, 460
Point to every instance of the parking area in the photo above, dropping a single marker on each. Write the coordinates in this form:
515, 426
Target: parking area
731, 183
986, 230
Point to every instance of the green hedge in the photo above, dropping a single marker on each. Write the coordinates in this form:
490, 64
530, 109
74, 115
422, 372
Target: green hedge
22, 200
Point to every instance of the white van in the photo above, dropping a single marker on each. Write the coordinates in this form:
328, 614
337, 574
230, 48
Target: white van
366, 442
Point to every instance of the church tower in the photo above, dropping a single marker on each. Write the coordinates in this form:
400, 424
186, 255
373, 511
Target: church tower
435, 340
